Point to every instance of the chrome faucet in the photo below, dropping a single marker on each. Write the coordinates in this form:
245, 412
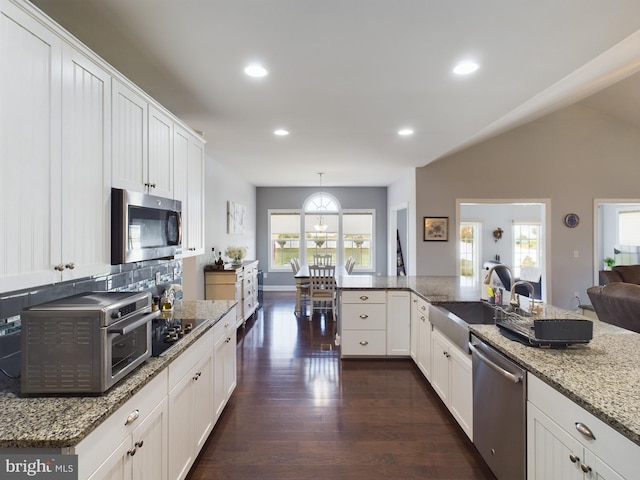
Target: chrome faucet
514, 301
487, 280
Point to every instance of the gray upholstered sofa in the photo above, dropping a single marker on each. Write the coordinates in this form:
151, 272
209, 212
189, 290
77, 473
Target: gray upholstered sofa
621, 273
617, 303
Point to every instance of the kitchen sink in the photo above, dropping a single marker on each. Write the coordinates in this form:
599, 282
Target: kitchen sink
453, 319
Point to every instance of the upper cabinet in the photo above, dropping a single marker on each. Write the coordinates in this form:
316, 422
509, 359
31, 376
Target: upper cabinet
72, 127
55, 157
142, 144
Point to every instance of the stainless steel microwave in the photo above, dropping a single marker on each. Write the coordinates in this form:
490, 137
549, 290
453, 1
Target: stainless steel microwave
144, 227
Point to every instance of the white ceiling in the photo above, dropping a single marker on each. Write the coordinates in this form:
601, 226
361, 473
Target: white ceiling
345, 75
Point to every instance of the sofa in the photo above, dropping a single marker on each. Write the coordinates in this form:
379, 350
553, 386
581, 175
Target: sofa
621, 273
617, 303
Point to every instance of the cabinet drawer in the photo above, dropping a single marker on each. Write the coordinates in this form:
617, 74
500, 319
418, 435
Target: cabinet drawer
364, 342
422, 307
364, 316
611, 446
220, 278
180, 367
364, 296
225, 327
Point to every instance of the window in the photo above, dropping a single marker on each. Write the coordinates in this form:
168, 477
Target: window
285, 238
469, 250
357, 238
526, 246
629, 228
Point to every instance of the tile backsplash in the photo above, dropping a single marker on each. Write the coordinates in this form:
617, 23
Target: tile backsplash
134, 277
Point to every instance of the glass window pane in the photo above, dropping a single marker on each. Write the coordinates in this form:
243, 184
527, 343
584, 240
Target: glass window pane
357, 235
321, 234
526, 247
285, 238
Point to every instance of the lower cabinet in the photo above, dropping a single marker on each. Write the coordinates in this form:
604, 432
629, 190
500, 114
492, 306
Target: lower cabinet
398, 323
132, 442
191, 419
451, 378
565, 441
421, 335
224, 353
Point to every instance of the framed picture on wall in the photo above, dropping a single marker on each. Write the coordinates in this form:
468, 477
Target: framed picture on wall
436, 229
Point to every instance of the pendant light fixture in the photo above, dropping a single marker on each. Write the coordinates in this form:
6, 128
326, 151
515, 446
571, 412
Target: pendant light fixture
320, 226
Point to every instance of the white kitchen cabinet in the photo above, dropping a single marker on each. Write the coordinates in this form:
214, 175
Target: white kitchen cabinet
423, 333
451, 378
142, 144
225, 362
130, 138
188, 157
132, 442
398, 323
160, 167
85, 183
414, 327
556, 448
54, 157
191, 396
363, 322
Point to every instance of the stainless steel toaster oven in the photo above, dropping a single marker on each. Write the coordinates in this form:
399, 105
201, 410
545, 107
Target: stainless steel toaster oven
84, 343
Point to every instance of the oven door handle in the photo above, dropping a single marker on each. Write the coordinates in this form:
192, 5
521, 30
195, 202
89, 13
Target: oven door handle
125, 326
497, 368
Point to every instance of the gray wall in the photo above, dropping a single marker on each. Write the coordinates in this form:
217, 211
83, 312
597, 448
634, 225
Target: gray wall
293, 198
571, 156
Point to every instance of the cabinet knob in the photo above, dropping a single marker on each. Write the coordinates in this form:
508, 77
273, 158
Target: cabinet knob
139, 444
131, 452
227, 340
585, 468
573, 458
59, 268
70, 266
446, 354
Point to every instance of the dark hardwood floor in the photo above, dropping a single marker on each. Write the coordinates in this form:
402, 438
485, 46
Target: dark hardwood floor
299, 412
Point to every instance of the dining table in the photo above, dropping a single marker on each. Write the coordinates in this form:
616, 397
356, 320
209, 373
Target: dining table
302, 277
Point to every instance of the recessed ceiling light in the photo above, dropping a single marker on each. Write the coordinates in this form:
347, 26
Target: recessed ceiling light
281, 132
466, 67
256, 70
405, 132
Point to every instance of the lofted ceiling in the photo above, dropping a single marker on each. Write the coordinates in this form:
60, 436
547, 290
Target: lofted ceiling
346, 75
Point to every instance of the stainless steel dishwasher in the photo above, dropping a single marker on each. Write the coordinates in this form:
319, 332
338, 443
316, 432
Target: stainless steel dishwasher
499, 411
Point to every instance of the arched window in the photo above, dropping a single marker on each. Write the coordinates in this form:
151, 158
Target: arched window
321, 220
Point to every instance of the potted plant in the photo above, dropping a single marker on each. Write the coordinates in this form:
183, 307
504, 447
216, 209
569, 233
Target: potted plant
236, 254
609, 263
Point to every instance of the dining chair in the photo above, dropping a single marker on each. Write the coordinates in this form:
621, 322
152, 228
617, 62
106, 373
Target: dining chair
322, 288
323, 260
303, 288
294, 265
349, 264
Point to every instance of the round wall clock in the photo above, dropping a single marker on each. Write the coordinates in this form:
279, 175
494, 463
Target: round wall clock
571, 220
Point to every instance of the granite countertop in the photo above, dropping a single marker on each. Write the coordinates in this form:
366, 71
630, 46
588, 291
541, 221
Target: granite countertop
59, 421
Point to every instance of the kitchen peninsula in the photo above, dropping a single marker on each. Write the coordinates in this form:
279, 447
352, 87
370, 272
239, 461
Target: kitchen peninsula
601, 378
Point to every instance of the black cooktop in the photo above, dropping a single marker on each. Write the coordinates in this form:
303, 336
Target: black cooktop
166, 332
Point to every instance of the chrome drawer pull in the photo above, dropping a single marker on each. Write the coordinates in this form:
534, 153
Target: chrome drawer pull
573, 458
364, 343
422, 318
139, 444
585, 468
364, 315
133, 416
364, 298
584, 430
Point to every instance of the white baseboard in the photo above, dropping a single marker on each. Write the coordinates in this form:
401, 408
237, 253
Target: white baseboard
279, 288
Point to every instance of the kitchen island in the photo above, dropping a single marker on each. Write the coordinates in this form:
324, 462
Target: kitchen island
57, 422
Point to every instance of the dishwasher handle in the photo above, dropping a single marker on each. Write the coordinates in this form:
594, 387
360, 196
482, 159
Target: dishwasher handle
508, 375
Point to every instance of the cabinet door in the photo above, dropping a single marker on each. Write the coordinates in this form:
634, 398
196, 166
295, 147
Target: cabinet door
414, 327
195, 197
424, 344
117, 466
181, 428
130, 139
440, 366
86, 163
230, 362
398, 323
160, 178
550, 449
219, 388
599, 469
30, 151
203, 399
461, 389
180, 187
149, 440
